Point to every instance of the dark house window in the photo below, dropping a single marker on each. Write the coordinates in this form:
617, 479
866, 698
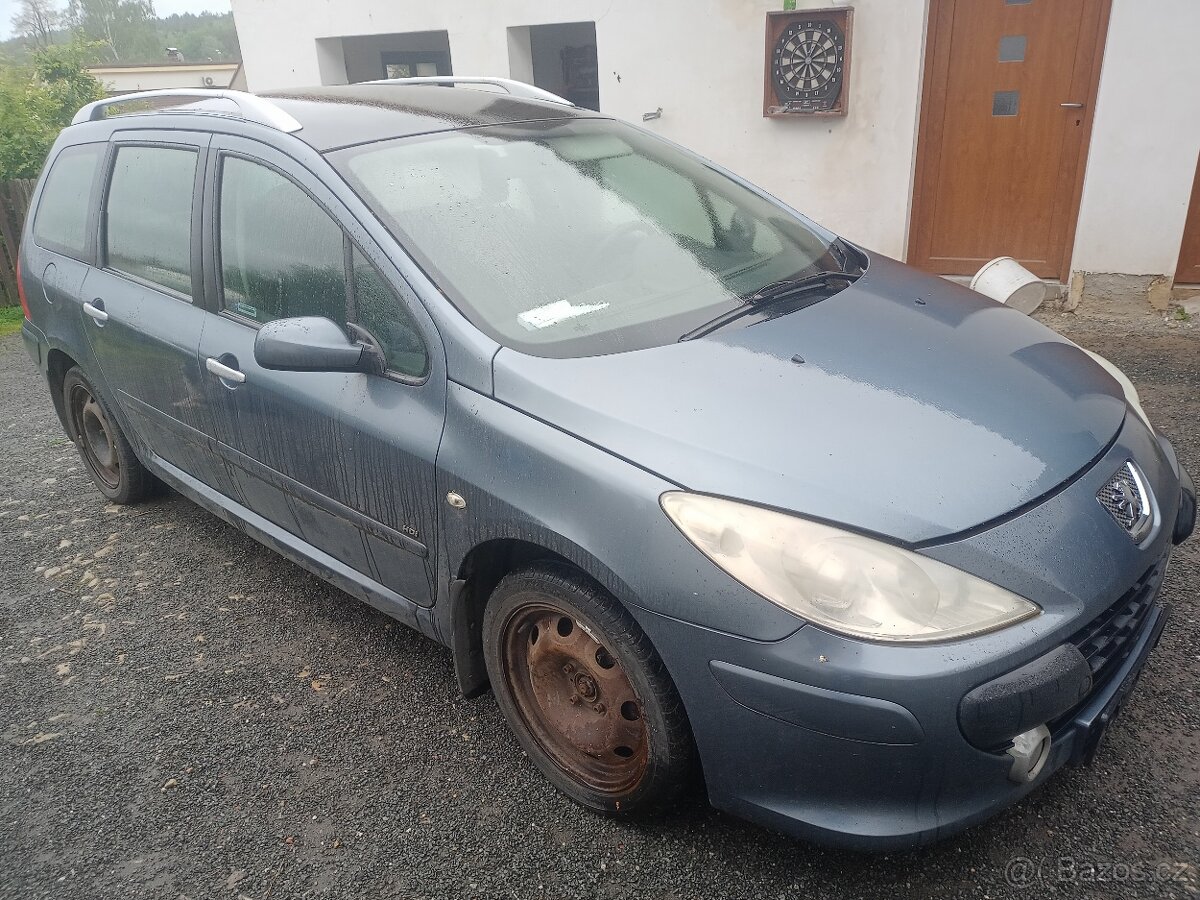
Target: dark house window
410, 64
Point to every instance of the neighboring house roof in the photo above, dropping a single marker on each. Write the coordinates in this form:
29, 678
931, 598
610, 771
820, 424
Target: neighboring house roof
121, 79
165, 66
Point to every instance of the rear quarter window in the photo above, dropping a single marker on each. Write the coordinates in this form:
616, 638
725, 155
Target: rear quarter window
61, 220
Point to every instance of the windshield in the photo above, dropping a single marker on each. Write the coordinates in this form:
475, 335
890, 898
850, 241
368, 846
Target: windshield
583, 237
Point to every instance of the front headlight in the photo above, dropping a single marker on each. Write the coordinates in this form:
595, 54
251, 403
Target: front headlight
1131, 394
846, 582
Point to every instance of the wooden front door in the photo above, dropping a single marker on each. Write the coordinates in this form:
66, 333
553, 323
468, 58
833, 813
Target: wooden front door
1188, 270
1005, 120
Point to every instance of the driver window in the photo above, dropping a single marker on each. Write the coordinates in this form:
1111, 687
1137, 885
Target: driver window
281, 253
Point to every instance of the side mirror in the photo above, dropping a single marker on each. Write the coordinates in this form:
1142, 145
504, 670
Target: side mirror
307, 344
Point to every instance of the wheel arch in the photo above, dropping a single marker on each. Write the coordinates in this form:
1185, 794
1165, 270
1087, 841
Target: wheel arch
476, 577
58, 363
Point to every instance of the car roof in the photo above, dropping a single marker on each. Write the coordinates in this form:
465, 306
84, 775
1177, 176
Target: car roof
344, 115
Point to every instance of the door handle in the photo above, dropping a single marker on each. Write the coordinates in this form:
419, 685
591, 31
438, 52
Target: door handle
1071, 105
96, 312
224, 372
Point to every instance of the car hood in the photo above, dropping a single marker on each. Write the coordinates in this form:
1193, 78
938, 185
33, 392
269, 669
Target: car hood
904, 405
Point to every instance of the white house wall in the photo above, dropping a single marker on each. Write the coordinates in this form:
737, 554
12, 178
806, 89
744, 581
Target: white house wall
700, 60
1145, 139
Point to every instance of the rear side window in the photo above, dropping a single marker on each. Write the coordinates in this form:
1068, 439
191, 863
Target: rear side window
281, 253
149, 215
62, 214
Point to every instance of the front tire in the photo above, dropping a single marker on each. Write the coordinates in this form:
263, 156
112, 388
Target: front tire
105, 450
584, 692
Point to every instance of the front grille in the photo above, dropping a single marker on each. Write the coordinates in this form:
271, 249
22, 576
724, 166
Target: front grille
1127, 500
1107, 639
1110, 498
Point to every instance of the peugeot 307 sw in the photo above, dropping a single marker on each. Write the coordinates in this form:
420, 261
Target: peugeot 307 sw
704, 492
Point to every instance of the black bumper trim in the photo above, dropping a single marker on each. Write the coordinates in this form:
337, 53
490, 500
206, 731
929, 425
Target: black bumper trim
1185, 521
1036, 693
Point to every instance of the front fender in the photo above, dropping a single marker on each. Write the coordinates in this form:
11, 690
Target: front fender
524, 480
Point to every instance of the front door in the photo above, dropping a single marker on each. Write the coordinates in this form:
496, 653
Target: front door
342, 460
1188, 270
1005, 119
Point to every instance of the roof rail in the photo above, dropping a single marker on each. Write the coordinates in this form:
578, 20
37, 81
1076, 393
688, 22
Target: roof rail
515, 88
249, 107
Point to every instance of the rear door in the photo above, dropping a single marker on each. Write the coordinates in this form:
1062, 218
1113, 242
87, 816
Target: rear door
60, 246
141, 309
345, 461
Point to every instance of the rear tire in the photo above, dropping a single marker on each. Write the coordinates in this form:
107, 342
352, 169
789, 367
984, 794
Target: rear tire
105, 451
584, 692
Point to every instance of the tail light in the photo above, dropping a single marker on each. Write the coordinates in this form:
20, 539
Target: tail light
21, 290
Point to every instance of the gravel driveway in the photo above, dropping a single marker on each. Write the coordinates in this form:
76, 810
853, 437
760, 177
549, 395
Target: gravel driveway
184, 713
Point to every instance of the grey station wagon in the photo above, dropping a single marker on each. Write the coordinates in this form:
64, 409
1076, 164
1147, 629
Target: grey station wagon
700, 489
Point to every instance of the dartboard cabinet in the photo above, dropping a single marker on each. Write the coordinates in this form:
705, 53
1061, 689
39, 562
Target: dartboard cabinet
808, 62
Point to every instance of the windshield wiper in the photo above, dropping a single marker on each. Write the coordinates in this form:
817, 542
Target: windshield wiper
769, 294
778, 290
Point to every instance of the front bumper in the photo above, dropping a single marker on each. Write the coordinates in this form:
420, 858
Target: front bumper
883, 781
864, 745
1049, 689
1088, 726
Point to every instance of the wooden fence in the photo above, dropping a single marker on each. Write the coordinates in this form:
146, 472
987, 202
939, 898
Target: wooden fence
14, 203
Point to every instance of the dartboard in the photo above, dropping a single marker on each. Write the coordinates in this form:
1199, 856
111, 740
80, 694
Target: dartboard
807, 66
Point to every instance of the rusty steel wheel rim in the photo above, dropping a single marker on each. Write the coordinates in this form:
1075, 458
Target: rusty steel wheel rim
94, 435
575, 698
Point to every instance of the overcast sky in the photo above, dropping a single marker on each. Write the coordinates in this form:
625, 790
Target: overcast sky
162, 7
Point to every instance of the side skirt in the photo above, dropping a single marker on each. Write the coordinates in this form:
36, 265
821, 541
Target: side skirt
301, 553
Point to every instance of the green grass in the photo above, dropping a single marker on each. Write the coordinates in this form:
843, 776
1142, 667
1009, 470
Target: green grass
1182, 314
11, 318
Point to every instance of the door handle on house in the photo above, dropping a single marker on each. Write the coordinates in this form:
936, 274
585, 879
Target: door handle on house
96, 311
1071, 105
224, 372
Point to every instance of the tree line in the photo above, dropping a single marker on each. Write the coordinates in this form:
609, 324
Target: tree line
37, 100
43, 69
123, 32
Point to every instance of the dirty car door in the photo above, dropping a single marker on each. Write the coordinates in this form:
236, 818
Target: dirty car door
142, 308
342, 460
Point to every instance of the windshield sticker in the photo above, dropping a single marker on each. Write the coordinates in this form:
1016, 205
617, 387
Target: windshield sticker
556, 312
